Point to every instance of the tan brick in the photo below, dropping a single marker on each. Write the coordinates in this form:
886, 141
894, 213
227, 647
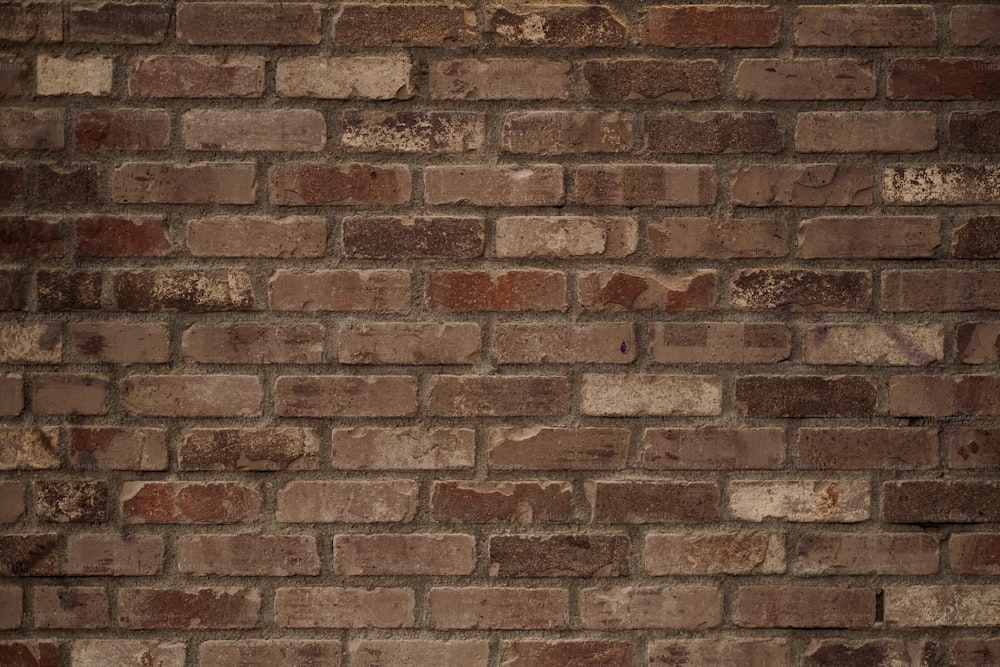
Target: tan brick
720, 343
646, 79
712, 25
560, 26
709, 652
937, 606
646, 290
877, 25
206, 23
189, 502
498, 396
804, 79
247, 555
410, 448
69, 394
837, 501
343, 608
199, 183
201, 608
11, 395
283, 448
119, 23
599, 343
562, 132
498, 608
346, 395
417, 343
865, 448
733, 553
646, 185
378, 290
347, 502
34, 555
112, 555
56, 75
801, 290
12, 505
477, 185
869, 237
32, 128
370, 131
197, 76
341, 78
119, 448
650, 394
253, 344
30, 343
286, 130
975, 25
499, 78
192, 395
541, 448
268, 652
404, 555
974, 553
413, 237
348, 184
39, 22
944, 395
874, 344
566, 237
850, 553
376, 652
71, 501
514, 290
865, 131
120, 342
642, 608
804, 607
943, 184
29, 448
501, 502
75, 607
127, 652
713, 448
122, 129
940, 290
405, 25
639, 501
803, 185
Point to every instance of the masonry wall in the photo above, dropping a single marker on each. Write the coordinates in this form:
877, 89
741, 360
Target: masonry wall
613, 334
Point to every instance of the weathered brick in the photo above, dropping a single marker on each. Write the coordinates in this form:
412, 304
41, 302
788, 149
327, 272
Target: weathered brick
720, 343
404, 555
944, 184
78, 183
416, 343
498, 608
68, 290
975, 25
974, 553
210, 23
566, 237
115, 236
346, 396
874, 653
646, 79
57, 75
127, 652
282, 448
579, 653
851, 553
287, 130
977, 237
11, 610
854, 25
801, 290
405, 25
67, 607
709, 652
370, 131
118, 448
412, 237
836, 501
118, 23
559, 26
500, 78
189, 502
559, 555
646, 185
641, 608
70, 394
940, 290
874, 344
184, 290
935, 501
650, 394
640, 501
12, 505
598, 343
410, 448
937, 606
498, 396
646, 290
541, 448
943, 79
197, 76
561, 132
192, 395
30, 237
804, 607
975, 652
343, 608
805, 79
349, 184
944, 395
864, 448
734, 553
71, 501
347, 501
376, 652
975, 131
373, 290
96, 554
122, 129
479, 185
253, 344
803, 185
713, 448
247, 555
29, 21
332, 78
512, 290
120, 342
29, 448
714, 132
865, 131
501, 502
31, 129
11, 395
35, 555
712, 25
267, 652
869, 237
198, 183
202, 608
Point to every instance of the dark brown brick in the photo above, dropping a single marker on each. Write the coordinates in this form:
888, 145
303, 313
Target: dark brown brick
32, 129
975, 25
804, 79
940, 290
715, 132
73, 502
405, 25
803, 185
183, 290
118, 23
800, 290
68, 290
13, 181
532, 653
865, 448
67, 607
501, 502
562, 132
198, 183
30, 21
663, 80
12, 289
283, 448
559, 555
865, 237
640, 501
710, 652
941, 502
720, 343
69, 394
977, 237
413, 237
30, 653
806, 396
853, 553
15, 76
570, 26
944, 79
34, 555
33, 237
871, 653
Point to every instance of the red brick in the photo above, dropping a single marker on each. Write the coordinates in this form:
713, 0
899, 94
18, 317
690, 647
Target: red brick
534, 343
183, 290
558, 448
240, 23
712, 25
646, 185
113, 555
805, 79
975, 25
30, 237
127, 653
498, 608
559, 26
800, 290
851, 553
118, 23
977, 237
949, 184
640, 501
35, 555
114, 236
343, 608
944, 395
975, 131
11, 610
77, 183
720, 343
500, 78
253, 344
268, 652
404, 555
304, 184
642, 608
12, 505
366, 131
559, 555
189, 608
528, 653
561, 132
31, 129
936, 501
514, 290
192, 395
876, 653
803, 185
189, 502
410, 448
971, 448
943, 79
346, 396
806, 396
646, 290
71, 501
869, 237
68, 290
476, 185
501, 502
648, 394
940, 290
11, 395
393, 501
254, 130
864, 448
974, 553
405, 25
120, 342
197, 76
357, 77
710, 652
878, 25
713, 448
413, 343
699, 553
714, 131
566, 237
39, 22
874, 344
122, 129
801, 500
118, 448
67, 607
866, 132
283, 448
646, 79
498, 396
375, 290
199, 183
941, 606
804, 607
247, 555
70, 394
29, 448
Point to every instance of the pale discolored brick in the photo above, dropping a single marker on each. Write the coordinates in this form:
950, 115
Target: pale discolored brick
127, 652
877, 25
650, 394
333, 78
865, 132
347, 501
580, 653
206, 23
641, 501
713, 448
869, 237
120, 342
12, 505
378, 290
253, 344
501, 502
343, 608
29, 448
733, 553
418, 343
641, 608
499, 78
804, 79
347, 184
974, 553
566, 237
559, 26
944, 395
882, 554
71, 607
676, 238
498, 608
599, 343
646, 185
479, 185
375, 652
192, 395
286, 130
720, 343
937, 606
709, 652
69, 394
413, 237
405, 25
96, 554
804, 607
712, 25
648, 80
189, 502
269, 652
247, 555
510, 290
30, 343
369, 131
404, 555
109, 448
802, 290
863, 448
57, 75
410, 448
345, 396
559, 555
498, 396
941, 184
837, 501
161, 76
166, 608
874, 344
197, 183
283, 448
647, 290
71, 501
564, 132
940, 290
542, 448
803, 185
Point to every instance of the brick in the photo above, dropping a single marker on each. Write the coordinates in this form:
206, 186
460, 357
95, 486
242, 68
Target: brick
498, 396
120, 342
266, 652
947, 184
646, 185
801, 290
346, 396
68, 290
12, 289
29, 448
70, 394
642, 608
95, 554
734, 553
189, 502
977, 342
512, 290
597, 343
30, 237
405, 25
282, 448
941, 606
330, 78
542, 448
30, 653
13, 177
71, 501
475, 185
499, 79
975, 25
404, 555
801, 500
774, 606
343, 608
501, 502
639, 501
806, 396
713, 448
376, 652
35, 555
804, 79
11, 395
183, 290
32, 129
253, 344
647, 79
198, 183
878, 653
558, 26
39, 22
559, 555
12, 505
114, 236
349, 184
976, 237
971, 448
197, 76
708, 652
528, 653
975, 131
943, 79
347, 501
974, 553
646, 290
118, 448
127, 652
932, 501
720, 343
410, 448
566, 237
200, 608
56, 75
12, 604
864, 448
712, 25
714, 132
851, 553
650, 394
874, 344
865, 131
122, 129
192, 395
498, 608
287, 130
972, 651
66, 607
940, 290
239, 23
413, 343
118, 23
835, 237
413, 237
15, 76
802, 185
562, 132
878, 25
69, 184
370, 131
373, 290
943, 395
247, 555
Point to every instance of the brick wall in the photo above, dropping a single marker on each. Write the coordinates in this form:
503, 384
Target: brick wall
614, 333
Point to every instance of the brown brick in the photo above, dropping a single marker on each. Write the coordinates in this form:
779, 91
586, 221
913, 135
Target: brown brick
39, 22
410, 448
127, 652
192, 395
413, 237
936, 606
370, 131
559, 555
805, 79
404, 555
377, 652
11, 395
977, 237
13, 177
806, 396
865, 131
646, 290
561, 132
122, 129
253, 344
803, 185
944, 395
596, 343
30, 237
874, 344
977, 342
120, 342
645, 79
75, 607
714, 131
618, 395
71, 501
29, 448
528, 653
720, 343
940, 290
30, 343
114, 555
852, 25
118, 448
267, 652
500, 78
479, 185
68, 290
713, 448
734, 553
15, 76
202, 608
247, 555
31, 129
709, 652
804, 607
346, 396
971, 448
376, 290
118, 23
35, 555
349, 184
343, 608
405, 25
248, 23
837, 501
869, 237
83, 75
646, 185
183, 290
640, 608
501, 502
498, 608
12, 505
947, 184
864, 448
975, 25
199, 183
12, 289
329, 78
935, 501
78, 183
513, 290
30, 653
287, 130
973, 651
114, 236
347, 502
851, 553
712, 25
566, 237
498, 396
974, 553
413, 343
559, 26
943, 79
800, 290
70, 394
975, 131
877, 653
283, 448
639, 501
11, 611
197, 76
189, 502
541, 448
